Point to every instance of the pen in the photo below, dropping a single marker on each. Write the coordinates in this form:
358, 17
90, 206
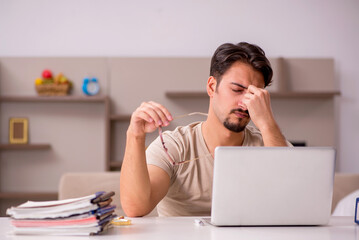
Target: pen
198, 222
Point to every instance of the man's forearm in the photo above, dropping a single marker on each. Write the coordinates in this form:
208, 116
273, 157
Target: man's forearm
135, 186
273, 137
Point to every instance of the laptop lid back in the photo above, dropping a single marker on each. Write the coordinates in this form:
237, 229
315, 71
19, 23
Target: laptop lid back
272, 186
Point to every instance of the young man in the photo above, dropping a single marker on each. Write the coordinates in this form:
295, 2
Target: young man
238, 75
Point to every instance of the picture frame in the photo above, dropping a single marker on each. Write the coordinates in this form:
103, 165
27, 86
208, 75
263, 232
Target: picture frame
18, 130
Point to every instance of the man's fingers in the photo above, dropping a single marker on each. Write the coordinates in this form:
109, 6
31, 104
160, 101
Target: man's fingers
164, 110
143, 115
260, 92
163, 114
153, 112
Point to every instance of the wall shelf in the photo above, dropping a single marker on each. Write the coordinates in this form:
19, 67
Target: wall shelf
28, 195
53, 99
202, 94
115, 164
24, 146
305, 94
121, 118
40, 146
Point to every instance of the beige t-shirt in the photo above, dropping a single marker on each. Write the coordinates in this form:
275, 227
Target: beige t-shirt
190, 192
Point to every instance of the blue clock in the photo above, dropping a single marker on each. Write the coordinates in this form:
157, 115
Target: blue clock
90, 86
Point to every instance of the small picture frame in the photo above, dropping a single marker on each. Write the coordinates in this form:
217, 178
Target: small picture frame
18, 130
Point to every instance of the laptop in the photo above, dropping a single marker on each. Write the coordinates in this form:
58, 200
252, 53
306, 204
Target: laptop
254, 186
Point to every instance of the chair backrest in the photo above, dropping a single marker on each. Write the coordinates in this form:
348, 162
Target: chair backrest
78, 184
344, 184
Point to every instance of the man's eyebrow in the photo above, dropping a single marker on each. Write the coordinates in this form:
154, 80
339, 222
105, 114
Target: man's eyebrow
239, 85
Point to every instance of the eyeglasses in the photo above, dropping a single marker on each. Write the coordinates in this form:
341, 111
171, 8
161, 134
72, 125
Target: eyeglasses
163, 142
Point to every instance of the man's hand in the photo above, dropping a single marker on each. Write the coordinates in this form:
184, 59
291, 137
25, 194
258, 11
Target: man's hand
147, 118
257, 102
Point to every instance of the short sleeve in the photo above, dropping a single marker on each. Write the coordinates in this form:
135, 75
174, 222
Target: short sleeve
156, 155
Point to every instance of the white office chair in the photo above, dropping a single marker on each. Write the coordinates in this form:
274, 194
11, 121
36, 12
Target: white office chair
346, 206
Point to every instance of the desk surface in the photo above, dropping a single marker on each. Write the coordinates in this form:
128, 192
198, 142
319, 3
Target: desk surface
185, 228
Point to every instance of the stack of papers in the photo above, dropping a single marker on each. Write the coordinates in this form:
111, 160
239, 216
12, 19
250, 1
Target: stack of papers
89, 215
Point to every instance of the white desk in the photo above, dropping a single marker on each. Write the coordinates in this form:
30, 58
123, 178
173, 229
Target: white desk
184, 228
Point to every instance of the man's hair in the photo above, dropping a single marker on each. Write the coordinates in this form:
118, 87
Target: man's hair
251, 54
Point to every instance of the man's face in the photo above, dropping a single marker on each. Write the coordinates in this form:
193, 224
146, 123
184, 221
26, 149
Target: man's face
227, 101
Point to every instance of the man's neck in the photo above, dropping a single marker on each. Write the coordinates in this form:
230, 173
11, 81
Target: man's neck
216, 134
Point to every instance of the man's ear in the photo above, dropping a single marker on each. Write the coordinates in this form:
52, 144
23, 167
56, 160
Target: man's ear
211, 86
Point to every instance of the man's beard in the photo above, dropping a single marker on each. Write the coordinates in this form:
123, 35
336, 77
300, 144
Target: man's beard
235, 127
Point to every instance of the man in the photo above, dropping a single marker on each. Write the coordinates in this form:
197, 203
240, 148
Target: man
238, 75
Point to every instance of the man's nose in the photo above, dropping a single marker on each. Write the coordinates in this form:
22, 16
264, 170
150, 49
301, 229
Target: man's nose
241, 105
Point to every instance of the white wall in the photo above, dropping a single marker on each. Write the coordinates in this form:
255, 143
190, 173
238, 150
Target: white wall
307, 28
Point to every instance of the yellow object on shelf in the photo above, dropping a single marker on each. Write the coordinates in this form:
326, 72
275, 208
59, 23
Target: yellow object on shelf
38, 81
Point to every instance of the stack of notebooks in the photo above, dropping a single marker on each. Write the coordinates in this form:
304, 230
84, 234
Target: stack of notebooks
89, 215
